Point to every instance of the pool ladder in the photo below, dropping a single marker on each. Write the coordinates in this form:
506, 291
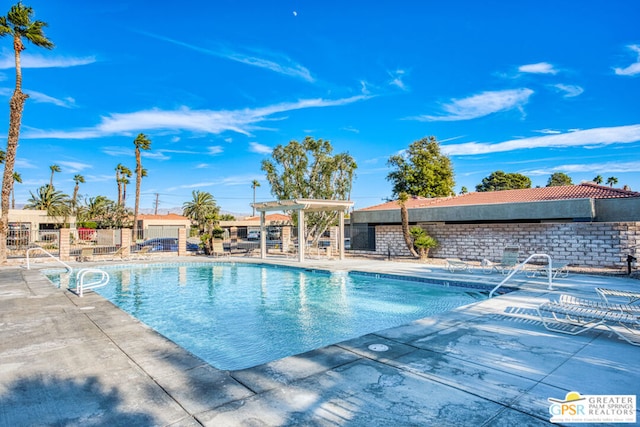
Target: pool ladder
81, 274
519, 267
101, 280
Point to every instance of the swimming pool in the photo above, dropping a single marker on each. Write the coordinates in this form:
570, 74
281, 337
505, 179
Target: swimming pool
237, 315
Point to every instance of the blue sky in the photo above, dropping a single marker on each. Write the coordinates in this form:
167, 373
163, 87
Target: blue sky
533, 87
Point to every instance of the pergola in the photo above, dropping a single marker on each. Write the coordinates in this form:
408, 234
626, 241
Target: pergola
301, 206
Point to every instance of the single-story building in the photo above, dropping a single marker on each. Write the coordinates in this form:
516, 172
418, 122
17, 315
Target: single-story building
585, 224
162, 225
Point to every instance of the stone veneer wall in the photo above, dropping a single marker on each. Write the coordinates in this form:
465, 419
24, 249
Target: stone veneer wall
589, 244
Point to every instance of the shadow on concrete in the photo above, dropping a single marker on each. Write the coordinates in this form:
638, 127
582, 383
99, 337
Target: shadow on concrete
63, 402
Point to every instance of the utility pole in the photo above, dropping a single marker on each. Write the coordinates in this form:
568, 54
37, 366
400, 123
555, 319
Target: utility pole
156, 210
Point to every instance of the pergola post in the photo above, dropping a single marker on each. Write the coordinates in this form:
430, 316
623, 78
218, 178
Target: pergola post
302, 241
263, 235
341, 235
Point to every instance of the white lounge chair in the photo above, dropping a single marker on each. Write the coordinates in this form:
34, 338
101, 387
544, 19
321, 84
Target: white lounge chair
455, 264
623, 308
631, 296
574, 319
557, 270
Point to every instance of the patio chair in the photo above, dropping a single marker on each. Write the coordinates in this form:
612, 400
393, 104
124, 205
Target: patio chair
117, 255
455, 264
86, 254
143, 253
574, 319
633, 297
218, 249
508, 262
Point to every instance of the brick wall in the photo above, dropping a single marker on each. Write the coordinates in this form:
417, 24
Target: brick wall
595, 244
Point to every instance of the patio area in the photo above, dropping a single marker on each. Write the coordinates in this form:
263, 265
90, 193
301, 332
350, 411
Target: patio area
66, 360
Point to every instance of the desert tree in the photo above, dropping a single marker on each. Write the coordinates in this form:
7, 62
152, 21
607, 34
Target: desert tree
17, 24
422, 170
559, 178
500, 180
310, 170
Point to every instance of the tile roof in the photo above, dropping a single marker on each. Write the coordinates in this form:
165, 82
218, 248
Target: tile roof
586, 190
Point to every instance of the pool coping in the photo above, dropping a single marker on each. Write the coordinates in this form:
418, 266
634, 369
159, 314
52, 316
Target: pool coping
308, 388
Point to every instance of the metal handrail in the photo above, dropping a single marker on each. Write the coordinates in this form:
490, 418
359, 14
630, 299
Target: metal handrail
521, 266
67, 266
81, 286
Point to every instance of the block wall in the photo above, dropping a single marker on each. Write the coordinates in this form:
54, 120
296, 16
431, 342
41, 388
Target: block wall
595, 244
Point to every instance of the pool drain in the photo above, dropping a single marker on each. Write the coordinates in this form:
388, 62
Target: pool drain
378, 347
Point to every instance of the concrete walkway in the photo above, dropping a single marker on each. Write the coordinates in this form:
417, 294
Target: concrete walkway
73, 361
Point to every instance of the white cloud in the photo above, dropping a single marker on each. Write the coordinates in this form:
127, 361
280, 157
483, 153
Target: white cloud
607, 167
396, 79
215, 149
587, 137
481, 105
73, 167
7, 61
569, 90
632, 69
539, 68
279, 63
256, 147
184, 119
202, 166
46, 99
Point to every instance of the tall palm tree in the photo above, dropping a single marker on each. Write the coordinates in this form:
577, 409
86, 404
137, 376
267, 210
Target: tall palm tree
54, 169
16, 178
612, 180
201, 207
123, 174
598, 179
18, 25
78, 179
56, 203
141, 143
254, 184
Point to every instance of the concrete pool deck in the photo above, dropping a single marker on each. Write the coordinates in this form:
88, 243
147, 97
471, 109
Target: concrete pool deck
66, 360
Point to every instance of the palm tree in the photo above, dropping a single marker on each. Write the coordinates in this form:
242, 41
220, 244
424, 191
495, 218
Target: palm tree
56, 203
16, 178
612, 180
17, 24
123, 174
54, 169
141, 143
254, 184
598, 179
200, 208
78, 179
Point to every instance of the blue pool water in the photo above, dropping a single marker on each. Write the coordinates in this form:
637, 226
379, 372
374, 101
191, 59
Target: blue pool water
235, 316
